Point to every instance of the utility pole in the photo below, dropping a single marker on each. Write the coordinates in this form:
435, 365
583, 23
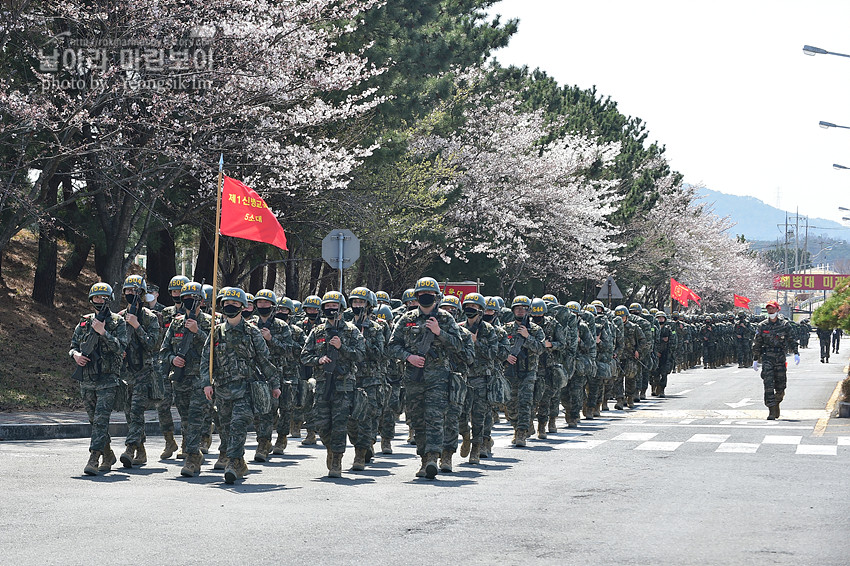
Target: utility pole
797, 241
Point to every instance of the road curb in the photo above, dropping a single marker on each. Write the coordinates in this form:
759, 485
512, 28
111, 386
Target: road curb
29, 431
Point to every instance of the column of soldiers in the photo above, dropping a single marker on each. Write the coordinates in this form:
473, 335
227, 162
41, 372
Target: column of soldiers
347, 367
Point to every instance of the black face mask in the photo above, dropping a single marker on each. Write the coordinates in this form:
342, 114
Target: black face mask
426, 299
264, 311
470, 312
130, 298
410, 306
284, 316
357, 311
488, 317
330, 313
314, 315
231, 311
189, 304
537, 319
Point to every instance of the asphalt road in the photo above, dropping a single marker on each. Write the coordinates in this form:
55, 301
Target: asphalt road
697, 478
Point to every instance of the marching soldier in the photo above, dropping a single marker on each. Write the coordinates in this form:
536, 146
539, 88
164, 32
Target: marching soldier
527, 342
97, 347
772, 342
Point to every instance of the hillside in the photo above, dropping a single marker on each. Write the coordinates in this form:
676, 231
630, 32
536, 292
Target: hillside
759, 221
34, 340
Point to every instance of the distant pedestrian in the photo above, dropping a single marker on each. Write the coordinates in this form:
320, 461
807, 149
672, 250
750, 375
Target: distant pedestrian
836, 339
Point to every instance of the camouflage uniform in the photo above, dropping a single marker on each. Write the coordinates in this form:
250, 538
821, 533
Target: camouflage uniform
708, 339
238, 351
282, 350
645, 362
305, 414
331, 415
138, 372
426, 395
370, 379
478, 376
163, 408
743, 342
666, 357
523, 374
460, 363
634, 342
392, 400
773, 340
551, 370
188, 390
100, 380
604, 360
573, 395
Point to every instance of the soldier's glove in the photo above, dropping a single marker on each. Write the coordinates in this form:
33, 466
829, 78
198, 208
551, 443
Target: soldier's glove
796, 359
755, 366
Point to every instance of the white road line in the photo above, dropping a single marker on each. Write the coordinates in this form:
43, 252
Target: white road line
710, 383
686, 421
641, 436
682, 392
629, 423
720, 438
659, 446
817, 449
775, 439
726, 422
580, 444
738, 448
844, 440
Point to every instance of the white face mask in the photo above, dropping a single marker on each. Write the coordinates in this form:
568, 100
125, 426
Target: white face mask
773, 316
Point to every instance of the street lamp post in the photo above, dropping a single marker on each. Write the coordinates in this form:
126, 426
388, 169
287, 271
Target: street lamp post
812, 51
826, 125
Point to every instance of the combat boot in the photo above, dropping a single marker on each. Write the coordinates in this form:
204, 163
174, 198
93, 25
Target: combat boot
421, 472
553, 425
620, 404
263, 447
661, 393
520, 438
771, 413
654, 390
127, 456
780, 396
294, 429
541, 429
170, 446
242, 467
206, 442
182, 454
329, 458
465, 445
588, 412
431, 468
630, 402
192, 466
596, 412
446, 461
777, 408
109, 459
359, 459
141, 455
572, 423
370, 452
310, 439
486, 448
336, 466
604, 405
91, 465
513, 440
233, 471
221, 463
410, 439
386, 446
279, 444
475, 455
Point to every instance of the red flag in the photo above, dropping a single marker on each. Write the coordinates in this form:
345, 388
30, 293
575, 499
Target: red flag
742, 302
245, 215
682, 293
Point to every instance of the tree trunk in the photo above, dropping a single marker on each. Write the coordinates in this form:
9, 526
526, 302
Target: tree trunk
161, 265
206, 252
271, 276
77, 259
255, 281
44, 282
293, 288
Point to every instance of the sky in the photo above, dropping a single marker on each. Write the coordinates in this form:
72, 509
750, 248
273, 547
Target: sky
724, 85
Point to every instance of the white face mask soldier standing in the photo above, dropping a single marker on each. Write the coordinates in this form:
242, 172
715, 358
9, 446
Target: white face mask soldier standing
774, 339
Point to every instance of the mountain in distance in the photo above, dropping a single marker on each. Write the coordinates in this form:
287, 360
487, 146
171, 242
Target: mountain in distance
758, 221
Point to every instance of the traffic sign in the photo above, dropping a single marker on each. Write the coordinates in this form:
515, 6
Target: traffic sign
609, 290
341, 244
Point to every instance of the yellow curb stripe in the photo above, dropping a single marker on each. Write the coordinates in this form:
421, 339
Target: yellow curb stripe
820, 428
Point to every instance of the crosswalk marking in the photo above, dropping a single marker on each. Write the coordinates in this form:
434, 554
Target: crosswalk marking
817, 449
775, 439
844, 440
660, 446
719, 438
582, 444
642, 436
738, 447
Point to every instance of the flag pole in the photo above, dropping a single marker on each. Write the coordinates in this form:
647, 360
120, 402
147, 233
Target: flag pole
215, 260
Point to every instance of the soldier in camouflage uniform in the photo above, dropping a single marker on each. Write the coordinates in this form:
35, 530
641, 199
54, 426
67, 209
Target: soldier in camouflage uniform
138, 371
481, 369
665, 353
184, 371
163, 408
335, 380
104, 340
526, 344
238, 350
743, 340
312, 308
428, 371
708, 339
635, 347
460, 365
369, 376
503, 350
573, 394
773, 340
616, 390
645, 362
391, 408
604, 358
293, 408
282, 347
550, 369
